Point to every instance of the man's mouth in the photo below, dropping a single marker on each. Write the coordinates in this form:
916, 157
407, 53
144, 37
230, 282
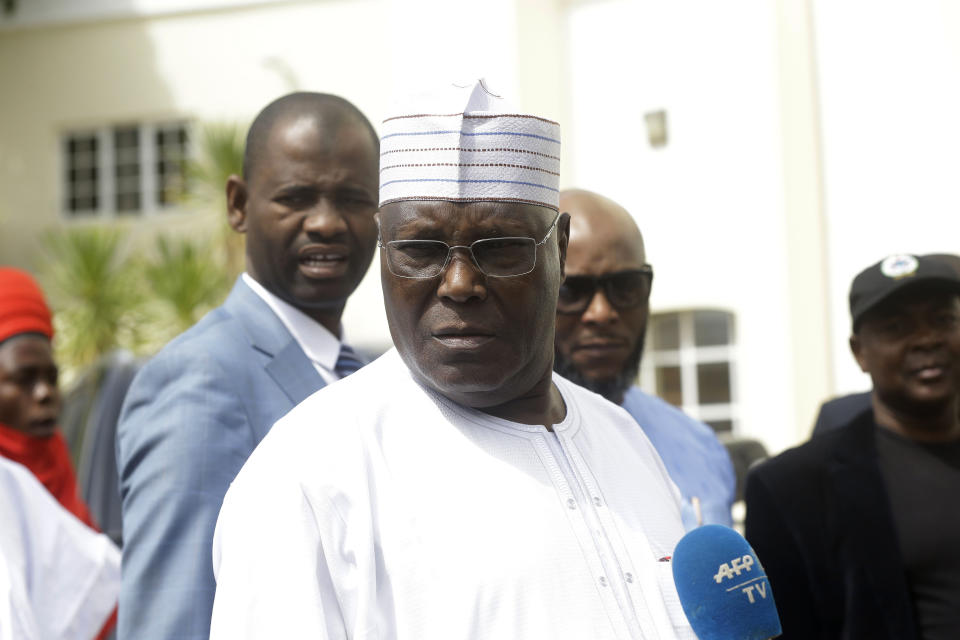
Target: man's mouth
600, 346
463, 338
929, 371
40, 428
318, 261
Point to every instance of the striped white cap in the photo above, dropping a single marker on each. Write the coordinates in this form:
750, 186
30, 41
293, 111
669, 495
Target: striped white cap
467, 145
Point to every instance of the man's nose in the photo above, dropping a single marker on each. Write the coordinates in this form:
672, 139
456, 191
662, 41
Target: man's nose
600, 311
929, 334
44, 392
325, 219
462, 280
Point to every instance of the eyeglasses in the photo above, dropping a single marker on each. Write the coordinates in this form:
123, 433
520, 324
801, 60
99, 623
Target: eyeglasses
623, 289
497, 257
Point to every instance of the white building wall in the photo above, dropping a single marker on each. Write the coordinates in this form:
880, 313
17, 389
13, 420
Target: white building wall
890, 99
65, 64
710, 203
209, 65
34, 13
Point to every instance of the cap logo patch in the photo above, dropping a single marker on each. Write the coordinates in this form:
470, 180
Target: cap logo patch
899, 266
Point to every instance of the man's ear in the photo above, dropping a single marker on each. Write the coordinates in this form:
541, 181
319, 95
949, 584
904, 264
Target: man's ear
856, 347
237, 203
563, 239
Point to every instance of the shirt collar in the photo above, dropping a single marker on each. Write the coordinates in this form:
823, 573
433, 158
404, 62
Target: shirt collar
321, 346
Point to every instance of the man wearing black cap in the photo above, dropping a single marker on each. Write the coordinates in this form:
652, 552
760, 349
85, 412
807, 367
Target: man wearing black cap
837, 412
858, 528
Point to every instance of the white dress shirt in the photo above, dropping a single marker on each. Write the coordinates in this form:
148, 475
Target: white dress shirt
321, 346
378, 509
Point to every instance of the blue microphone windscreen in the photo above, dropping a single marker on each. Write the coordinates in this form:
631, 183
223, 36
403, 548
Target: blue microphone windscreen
722, 586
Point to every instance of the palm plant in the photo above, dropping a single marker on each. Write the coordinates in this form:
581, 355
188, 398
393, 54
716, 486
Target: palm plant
105, 300
186, 281
95, 293
218, 155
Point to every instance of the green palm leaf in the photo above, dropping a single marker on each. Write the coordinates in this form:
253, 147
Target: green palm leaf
94, 291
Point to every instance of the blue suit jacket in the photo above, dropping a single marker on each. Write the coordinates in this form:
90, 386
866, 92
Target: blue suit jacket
192, 416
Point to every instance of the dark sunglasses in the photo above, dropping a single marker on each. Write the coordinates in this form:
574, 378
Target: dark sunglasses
623, 289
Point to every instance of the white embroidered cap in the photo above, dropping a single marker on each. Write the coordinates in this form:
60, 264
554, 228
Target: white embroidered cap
467, 145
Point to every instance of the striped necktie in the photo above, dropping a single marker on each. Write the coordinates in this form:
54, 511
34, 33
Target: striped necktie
348, 362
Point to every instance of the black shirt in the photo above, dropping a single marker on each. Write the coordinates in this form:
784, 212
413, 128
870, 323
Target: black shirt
923, 482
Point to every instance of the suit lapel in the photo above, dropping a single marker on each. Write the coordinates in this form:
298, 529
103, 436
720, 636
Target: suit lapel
294, 372
286, 362
865, 524
857, 483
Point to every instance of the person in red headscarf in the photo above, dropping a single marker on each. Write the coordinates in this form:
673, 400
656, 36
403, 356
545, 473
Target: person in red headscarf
29, 396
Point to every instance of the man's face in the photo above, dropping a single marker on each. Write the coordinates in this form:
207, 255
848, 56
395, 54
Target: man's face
308, 212
29, 397
481, 341
603, 341
910, 346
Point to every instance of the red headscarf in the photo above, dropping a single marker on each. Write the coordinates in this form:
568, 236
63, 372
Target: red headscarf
22, 307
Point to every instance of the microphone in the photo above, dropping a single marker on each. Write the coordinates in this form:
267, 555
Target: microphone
722, 587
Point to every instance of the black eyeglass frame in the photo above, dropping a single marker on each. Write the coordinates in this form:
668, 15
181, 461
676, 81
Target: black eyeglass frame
604, 283
473, 257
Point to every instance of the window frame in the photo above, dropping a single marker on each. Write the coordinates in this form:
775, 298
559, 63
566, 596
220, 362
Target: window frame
106, 177
687, 356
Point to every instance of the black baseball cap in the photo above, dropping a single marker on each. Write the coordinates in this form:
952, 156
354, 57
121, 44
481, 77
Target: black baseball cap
895, 273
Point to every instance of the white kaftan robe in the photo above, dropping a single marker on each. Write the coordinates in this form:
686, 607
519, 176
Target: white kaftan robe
379, 509
59, 579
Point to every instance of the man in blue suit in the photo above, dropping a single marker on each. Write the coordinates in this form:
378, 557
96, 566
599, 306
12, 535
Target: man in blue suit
306, 203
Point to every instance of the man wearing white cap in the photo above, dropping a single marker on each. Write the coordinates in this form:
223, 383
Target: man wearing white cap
456, 487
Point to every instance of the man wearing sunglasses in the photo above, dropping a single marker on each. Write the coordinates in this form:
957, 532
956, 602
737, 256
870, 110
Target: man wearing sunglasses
456, 488
602, 315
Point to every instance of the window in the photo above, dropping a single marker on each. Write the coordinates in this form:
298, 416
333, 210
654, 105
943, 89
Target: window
171, 145
124, 170
126, 163
689, 361
82, 174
